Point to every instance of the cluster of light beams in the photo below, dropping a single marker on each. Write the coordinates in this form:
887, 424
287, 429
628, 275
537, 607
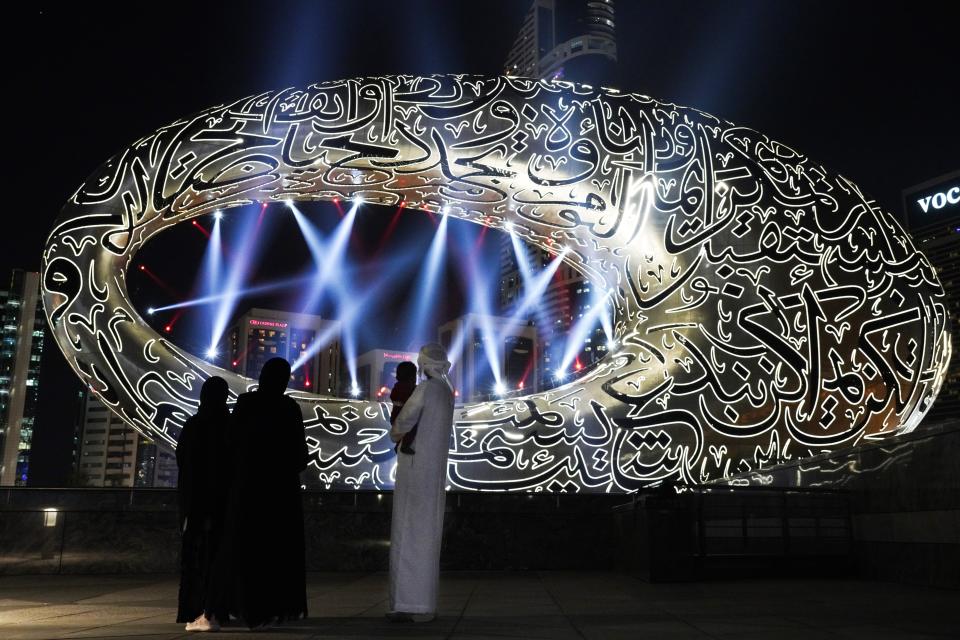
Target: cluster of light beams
328, 256
349, 314
527, 274
221, 283
534, 289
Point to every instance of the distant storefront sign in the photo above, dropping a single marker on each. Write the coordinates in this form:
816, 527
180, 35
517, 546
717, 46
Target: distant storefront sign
269, 323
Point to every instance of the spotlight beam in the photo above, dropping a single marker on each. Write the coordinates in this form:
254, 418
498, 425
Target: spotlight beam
581, 328
427, 279
220, 297
199, 227
391, 227
345, 301
523, 262
394, 264
239, 269
490, 337
209, 277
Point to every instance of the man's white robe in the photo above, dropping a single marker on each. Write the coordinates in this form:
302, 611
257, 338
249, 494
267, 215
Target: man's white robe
419, 497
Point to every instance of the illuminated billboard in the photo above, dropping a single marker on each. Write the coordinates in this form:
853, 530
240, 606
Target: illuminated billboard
933, 202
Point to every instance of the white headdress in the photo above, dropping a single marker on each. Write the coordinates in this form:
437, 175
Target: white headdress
433, 361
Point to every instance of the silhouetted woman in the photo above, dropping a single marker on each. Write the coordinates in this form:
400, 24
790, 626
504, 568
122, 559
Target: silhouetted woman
266, 511
201, 491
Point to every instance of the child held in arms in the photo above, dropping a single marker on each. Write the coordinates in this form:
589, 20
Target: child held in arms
406, 383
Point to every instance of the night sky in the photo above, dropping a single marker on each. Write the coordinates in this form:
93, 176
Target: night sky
869, 89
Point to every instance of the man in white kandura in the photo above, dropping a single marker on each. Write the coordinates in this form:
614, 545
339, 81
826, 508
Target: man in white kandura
419, 495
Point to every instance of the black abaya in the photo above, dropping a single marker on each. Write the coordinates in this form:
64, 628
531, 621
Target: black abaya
265, 518
201, 493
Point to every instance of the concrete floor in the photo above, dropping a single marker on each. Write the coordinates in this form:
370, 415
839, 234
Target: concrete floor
504, 605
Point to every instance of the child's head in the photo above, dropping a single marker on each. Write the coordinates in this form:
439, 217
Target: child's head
406, 372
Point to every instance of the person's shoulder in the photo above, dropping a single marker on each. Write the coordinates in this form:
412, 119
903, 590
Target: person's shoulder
188, 426
436, 386
290, 403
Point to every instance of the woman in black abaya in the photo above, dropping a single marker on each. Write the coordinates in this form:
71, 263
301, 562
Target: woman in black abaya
201, 491
266, 511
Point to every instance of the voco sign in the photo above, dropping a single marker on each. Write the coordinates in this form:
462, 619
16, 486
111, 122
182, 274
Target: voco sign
940, 199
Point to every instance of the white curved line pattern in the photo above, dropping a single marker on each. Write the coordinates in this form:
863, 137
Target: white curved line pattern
764, 308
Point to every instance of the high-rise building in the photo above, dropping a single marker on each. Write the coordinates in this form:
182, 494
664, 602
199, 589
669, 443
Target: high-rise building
566, 40
931, 213
114, 454
22, 325
567, 299
377, 372
261, 334
513, 354
560, 40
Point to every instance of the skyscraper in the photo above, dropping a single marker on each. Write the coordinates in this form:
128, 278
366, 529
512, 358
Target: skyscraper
566, 40
22, 325
113, 454
560, 40
931, 213
261, 334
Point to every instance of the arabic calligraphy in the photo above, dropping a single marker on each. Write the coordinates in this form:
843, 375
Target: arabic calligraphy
765, 309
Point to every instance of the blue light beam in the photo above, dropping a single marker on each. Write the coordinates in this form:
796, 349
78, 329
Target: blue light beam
427, 280
239, 269
220, 297
580, 330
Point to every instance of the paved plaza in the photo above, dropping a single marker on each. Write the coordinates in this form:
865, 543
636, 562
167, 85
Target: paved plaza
503, 605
